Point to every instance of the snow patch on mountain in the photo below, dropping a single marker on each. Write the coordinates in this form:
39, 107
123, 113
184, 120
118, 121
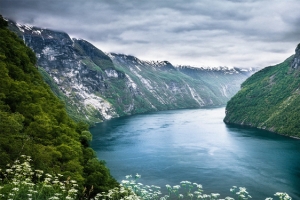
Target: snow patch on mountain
111, 73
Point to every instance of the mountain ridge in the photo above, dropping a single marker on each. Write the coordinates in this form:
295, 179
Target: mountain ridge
96, 86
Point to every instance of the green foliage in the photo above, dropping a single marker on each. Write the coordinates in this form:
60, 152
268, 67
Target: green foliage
85, 138
97, 176
269, 99
94, 58
3, 23
34, 122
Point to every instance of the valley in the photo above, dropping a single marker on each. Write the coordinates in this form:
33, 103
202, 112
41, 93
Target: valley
109, 87
98, 86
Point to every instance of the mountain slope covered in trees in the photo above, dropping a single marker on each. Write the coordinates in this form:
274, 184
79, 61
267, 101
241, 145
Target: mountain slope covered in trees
270, 99
34, 122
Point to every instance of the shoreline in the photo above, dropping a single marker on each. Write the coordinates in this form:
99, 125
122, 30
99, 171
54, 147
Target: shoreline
298, 138
290, 136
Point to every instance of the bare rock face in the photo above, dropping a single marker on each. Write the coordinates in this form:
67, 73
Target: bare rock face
97, 86
296, 61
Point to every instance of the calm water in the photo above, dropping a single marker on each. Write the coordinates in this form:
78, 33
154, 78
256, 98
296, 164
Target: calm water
195, 145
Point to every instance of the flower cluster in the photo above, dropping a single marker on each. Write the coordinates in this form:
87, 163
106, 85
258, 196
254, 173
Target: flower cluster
241, 192
21, 182
283, 196
185, 190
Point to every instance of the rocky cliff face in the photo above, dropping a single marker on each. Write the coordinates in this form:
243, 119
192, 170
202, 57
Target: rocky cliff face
296, 60
101, 86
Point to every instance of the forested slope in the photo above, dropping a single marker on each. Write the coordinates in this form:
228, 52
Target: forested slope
270, 99
34, 122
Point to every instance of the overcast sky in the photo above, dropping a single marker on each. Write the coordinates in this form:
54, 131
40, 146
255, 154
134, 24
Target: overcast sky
240, 33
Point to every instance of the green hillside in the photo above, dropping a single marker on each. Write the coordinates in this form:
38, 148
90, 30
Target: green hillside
34, 122
269, 99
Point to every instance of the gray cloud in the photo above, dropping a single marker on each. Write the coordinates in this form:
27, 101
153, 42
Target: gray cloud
248, 33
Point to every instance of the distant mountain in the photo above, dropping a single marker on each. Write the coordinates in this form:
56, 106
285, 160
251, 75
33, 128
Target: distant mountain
170, 87
270, 99
96, 86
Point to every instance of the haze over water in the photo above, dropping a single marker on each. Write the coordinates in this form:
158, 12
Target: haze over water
195, 145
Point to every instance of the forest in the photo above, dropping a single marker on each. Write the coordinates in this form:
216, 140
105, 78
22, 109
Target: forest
269, 100
34, 122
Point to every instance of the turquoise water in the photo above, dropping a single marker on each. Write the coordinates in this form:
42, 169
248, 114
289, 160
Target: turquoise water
195, 145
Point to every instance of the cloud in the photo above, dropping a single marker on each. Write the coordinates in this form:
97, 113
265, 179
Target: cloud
249, 33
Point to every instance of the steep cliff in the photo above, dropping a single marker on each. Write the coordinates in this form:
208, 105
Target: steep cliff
270, 99
101, 86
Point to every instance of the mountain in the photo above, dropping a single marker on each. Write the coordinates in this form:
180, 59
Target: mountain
96, 86
34, 122
270, 99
